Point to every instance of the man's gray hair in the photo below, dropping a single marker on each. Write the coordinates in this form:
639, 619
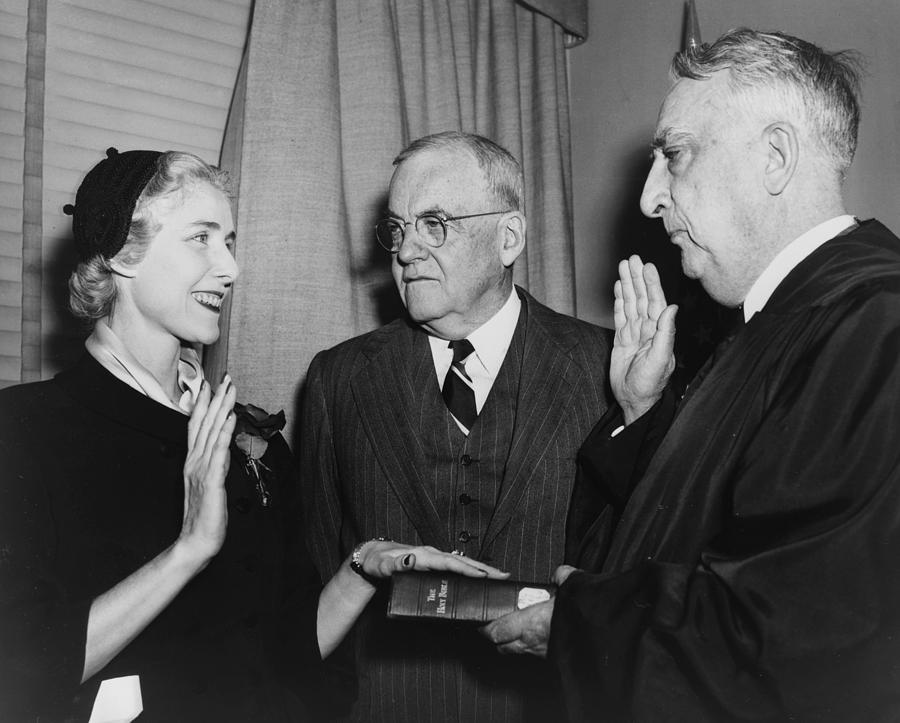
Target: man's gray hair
820, 89
501, 170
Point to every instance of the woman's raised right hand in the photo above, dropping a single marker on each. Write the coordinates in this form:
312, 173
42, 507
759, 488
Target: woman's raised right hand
205, 504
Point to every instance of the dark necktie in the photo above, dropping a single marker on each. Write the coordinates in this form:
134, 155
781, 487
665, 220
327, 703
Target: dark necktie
458, 395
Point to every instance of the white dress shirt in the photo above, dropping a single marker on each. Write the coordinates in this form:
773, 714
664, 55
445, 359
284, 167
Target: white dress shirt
788, 258
491, 341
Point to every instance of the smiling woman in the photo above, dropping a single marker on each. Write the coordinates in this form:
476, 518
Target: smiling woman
159, 297
137, 539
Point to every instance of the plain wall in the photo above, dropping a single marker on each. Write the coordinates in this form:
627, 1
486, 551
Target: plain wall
619, 77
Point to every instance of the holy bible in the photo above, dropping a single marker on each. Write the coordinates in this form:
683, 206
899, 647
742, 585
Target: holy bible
443, 595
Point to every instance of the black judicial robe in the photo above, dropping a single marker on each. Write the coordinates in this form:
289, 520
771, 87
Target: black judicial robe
751, 572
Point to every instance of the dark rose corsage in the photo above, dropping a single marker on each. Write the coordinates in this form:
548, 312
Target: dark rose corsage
253, 430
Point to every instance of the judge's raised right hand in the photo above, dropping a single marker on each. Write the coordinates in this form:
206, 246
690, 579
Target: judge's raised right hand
205, 468
643, 356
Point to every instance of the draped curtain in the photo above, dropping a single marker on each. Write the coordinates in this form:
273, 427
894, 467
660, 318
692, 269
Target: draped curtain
328, 94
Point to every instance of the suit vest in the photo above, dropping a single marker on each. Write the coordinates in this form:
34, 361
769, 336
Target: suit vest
466, 472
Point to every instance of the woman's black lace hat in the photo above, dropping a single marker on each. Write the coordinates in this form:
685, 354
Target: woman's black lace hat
106, 199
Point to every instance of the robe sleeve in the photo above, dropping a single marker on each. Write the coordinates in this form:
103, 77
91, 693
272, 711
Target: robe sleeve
791, 609
608, 467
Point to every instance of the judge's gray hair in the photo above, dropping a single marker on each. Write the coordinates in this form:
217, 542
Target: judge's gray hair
501, 170
92, 286
815, 88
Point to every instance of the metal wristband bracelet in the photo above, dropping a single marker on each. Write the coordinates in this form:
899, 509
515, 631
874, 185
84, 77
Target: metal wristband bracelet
356, 564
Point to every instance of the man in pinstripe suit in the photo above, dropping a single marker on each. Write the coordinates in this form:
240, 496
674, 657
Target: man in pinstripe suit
382, 455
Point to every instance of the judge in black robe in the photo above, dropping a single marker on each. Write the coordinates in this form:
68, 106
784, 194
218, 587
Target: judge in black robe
750, 572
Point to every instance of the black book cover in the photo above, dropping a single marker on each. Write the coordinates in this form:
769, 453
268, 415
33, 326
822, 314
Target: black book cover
447, 596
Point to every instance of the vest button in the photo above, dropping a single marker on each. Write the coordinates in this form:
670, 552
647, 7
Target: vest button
464, 499
465, 460
464, 536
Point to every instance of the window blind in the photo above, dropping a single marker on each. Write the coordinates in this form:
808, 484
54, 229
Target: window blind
13, 25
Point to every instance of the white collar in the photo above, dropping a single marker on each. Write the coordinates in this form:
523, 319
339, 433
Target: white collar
492, 339
788, 258
111, 353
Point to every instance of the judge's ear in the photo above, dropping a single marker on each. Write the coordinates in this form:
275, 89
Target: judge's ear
782, 155
119, 269
511, 237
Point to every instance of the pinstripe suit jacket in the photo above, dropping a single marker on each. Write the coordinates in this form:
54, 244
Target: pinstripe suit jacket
371, 418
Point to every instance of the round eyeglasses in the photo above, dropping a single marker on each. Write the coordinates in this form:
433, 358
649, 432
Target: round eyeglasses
431, 227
